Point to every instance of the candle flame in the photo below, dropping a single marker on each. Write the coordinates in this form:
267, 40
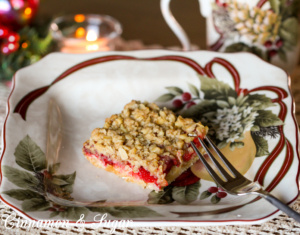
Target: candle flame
79, 18
80, 32
91, 36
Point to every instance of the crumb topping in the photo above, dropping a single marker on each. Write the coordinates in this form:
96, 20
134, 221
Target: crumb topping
145, 135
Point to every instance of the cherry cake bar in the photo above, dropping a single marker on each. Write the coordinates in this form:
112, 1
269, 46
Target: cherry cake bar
145, 144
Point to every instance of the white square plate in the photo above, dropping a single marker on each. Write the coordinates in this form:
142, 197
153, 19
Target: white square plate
88, 88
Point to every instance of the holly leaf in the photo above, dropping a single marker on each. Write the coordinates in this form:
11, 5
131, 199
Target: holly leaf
275, 5
53, 214
198, 110
266, 118
214, 89
65, 181
22, 194
214, 199
58, 181
70, 178
127, 211
259, 101
165, 97
244, 47
22, 179
262, 147
205, 194
74, 213
282, 55
35, 204
29, 155
174, 90
161, 197
193, 89
53, 168
289, 30
186, 194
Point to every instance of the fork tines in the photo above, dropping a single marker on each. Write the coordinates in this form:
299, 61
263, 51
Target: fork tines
220, 168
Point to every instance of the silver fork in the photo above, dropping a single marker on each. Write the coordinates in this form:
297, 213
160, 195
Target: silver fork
235, 183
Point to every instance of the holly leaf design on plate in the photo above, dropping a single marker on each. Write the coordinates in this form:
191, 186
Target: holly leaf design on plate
29, 155
214, 199
53, 168
266, 118
282, 55
22, 179
214, 89
161, 197
127, 211
244, 47
72, 213
289, 30
259, 101
275, 5
165, 97
22, 194
261, 146
35, 204
205, 194
186, 194
174, 90
193, 89
200, 109
61, 184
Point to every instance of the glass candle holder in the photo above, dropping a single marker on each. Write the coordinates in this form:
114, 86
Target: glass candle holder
85, 33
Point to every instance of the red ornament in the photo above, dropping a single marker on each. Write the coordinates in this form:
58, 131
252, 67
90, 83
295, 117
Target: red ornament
3, 31
9, 47
17, 13
12, 37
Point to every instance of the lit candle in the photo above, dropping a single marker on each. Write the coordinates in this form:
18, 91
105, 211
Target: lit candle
85, 33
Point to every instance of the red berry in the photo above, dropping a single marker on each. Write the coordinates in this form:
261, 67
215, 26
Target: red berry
177, 103
272, 53
221, 194
279, 43
212, 189
190, 104
186, 96
51, 209
268, 44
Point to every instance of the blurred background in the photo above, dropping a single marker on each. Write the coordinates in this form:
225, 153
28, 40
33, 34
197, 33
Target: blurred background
25, 36
140, 19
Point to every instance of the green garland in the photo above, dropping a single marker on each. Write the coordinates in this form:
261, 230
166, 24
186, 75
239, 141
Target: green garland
35, 42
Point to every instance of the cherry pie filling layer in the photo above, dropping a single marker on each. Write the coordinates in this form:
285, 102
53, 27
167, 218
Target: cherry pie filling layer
145, 144
125, 169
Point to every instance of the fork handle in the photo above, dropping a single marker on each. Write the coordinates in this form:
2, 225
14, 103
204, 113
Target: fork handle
281, 206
